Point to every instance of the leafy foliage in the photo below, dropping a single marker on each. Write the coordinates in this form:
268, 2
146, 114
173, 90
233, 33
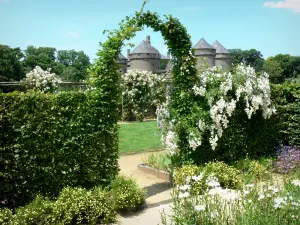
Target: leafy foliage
51, 141
126, 193
282, 67
43, 57
195, 177
160, 161
10, 65
232, 116
73, 206
287, 99
251, 57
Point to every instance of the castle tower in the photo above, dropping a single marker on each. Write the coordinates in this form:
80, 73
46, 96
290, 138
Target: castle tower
205, 54
222, 58
122, 61
145, 57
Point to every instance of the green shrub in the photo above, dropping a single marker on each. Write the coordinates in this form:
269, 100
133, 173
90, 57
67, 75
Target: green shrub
39, 211
6, 216
49, 141
73, 206
126, 193
77, 206
180, 174
228, 176
287, 100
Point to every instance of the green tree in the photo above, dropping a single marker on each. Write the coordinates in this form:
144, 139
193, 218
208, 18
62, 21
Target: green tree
78, 60
10, 66
42, 56
274, 69
251, 57
70, 74
282, 67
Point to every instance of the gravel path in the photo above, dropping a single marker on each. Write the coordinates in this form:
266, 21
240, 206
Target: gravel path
159, 192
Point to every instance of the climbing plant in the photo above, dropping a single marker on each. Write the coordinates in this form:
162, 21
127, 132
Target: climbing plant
104, 74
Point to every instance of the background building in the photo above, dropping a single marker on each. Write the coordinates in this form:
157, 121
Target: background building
146, 57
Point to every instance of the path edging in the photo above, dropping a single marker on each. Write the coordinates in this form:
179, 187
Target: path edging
158, 173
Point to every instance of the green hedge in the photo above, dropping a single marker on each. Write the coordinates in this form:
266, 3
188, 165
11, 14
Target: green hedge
253, 138
51, 141
287, 99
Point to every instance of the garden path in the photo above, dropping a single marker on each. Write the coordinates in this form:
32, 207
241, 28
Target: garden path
159, 192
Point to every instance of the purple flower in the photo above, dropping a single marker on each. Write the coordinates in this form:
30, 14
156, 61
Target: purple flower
288, 159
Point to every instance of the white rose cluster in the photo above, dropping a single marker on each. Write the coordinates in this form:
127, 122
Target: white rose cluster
138, 90
42, 80
246, 85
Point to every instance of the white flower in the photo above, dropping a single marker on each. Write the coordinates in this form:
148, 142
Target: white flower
184, 195
185, 187
296, 182
261, 197
201, 125
246, 192
171, 141
197, 178
199, 207
279, 202
275, 190
250, 185
212, 181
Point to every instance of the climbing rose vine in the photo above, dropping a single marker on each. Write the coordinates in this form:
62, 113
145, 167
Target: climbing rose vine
139, 92
218, 94
42, 80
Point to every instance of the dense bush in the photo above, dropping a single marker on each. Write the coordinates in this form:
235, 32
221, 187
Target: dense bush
127, 194
42, 80
141, 91
73, 206
194, 178
51, 141
232, 116
253, 169
286, 97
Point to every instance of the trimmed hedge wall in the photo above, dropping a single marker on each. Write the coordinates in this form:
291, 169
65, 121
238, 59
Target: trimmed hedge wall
50, 141
287, 99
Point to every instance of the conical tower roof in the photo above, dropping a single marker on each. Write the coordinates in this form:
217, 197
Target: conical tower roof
220, 49
121, 56
145, 47
202, 44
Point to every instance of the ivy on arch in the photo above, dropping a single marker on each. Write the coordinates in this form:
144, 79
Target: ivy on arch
106, 80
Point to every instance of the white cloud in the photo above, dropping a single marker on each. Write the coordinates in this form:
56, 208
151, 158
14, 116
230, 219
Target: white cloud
73, 34
285, 4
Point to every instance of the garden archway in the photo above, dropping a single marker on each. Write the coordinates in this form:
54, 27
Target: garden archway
106, 79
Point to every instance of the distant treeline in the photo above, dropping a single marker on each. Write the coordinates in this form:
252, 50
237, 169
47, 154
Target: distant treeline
281, 67
69, 65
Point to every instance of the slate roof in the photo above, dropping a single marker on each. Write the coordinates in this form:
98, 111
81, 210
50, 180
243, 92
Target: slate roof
220, 49
202, 44
122, 56
144, 47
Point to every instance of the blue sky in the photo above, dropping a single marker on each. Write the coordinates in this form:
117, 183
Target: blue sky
271, 27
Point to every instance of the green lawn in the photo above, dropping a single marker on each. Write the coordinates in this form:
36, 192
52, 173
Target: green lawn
139, 137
